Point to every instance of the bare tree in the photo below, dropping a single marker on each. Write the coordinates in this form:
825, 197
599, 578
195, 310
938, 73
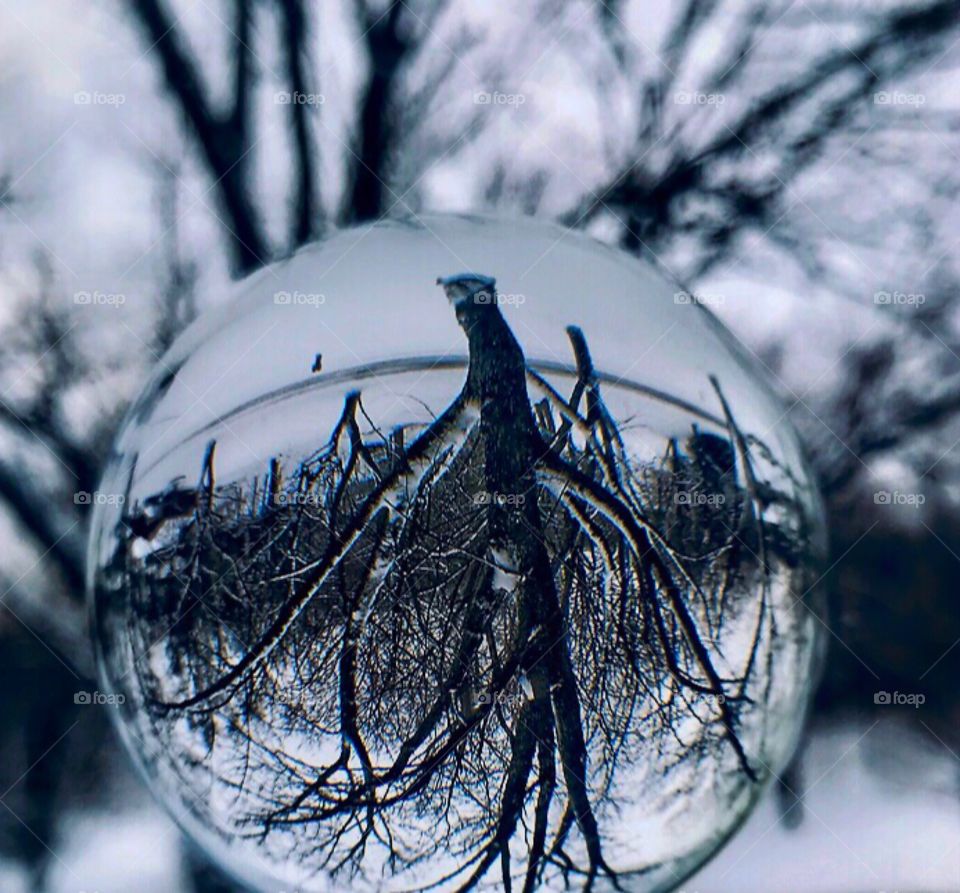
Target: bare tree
482, 613
700, 197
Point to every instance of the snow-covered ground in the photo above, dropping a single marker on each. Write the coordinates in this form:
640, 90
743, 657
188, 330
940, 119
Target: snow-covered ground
879, 817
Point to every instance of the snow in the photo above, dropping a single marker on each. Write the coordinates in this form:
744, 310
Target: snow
867, 827
879, 816
111, 853
505, 575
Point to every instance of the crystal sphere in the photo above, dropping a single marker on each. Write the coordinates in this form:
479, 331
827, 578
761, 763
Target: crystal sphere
458, 553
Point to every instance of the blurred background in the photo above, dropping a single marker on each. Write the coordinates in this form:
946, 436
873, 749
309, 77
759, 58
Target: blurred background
795, 164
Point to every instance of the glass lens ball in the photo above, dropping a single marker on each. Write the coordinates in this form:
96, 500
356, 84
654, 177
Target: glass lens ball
458, 553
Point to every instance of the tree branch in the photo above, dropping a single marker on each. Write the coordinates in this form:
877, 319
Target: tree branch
387, 50
307, 222
223, 138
